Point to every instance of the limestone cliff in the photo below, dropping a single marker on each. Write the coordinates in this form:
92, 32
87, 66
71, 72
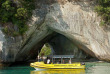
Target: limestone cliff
73, 19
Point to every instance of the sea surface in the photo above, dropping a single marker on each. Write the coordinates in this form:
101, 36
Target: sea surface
91, 68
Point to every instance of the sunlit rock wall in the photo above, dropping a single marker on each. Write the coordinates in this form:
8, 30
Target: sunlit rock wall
77, 21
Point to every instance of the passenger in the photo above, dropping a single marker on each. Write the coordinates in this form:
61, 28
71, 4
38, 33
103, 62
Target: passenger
69, 61
40, 59
59, 61
45, 61
53, 61
48, 61
63, 61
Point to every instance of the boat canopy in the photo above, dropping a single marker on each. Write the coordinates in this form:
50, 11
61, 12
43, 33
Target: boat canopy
62, 56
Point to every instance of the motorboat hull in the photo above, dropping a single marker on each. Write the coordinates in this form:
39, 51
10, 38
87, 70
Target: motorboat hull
41, 65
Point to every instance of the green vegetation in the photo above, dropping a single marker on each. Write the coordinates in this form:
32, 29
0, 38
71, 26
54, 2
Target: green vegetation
16, 13
103, 9
5, 30
45, 50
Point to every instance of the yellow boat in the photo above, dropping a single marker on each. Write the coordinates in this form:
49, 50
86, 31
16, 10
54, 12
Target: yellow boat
42, 65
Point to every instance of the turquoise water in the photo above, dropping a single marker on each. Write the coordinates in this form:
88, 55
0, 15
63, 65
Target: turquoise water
16, 70
91, 68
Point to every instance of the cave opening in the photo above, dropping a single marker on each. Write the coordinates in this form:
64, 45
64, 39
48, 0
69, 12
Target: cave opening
61, 45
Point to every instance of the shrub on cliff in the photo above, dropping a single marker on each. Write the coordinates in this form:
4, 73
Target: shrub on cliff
6, 11
103, 9
17, 14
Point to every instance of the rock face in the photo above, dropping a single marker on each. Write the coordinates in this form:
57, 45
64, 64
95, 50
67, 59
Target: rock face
9, 46
2, 39
78, 22
73, 19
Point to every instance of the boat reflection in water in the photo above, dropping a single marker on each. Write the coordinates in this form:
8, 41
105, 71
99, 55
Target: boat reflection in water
59, 71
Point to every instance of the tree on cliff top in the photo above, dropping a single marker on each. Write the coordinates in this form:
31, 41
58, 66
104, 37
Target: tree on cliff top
103, 9
17, 14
